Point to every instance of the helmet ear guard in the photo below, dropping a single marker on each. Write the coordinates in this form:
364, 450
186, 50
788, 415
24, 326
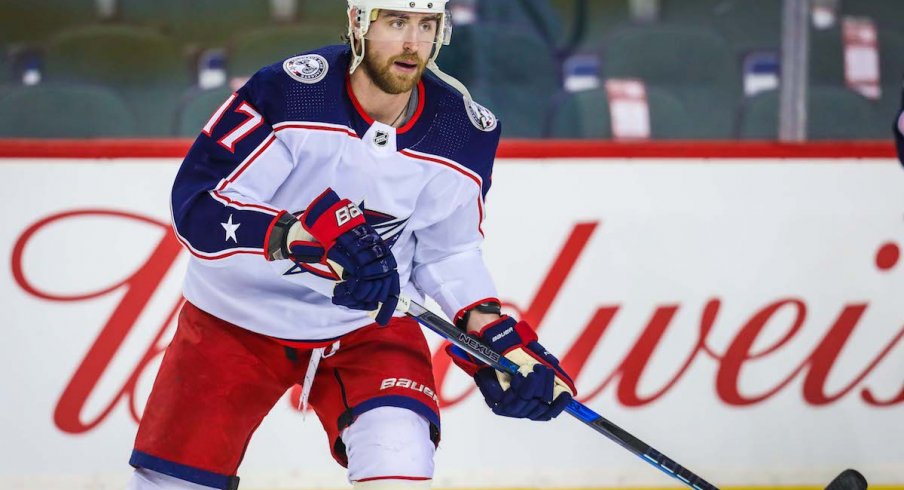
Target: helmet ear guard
362, 13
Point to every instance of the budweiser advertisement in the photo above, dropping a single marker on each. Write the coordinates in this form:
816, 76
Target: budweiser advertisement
743, 316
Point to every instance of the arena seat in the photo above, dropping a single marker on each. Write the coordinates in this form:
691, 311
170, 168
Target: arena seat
538, 16
694, 64
459, 59
750, 25
32, 22
517, 87
5, 68
691, 11
146, 68
582, 115
64, 111
326, 13
891, 57
602, 19
198, 109
586, 115
886, 13
206, 22
827, 57
255, 49
834, 113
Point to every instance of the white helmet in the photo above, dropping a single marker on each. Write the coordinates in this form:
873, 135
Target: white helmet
367, 13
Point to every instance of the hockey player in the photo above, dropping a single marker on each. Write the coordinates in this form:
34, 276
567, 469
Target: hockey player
385, 162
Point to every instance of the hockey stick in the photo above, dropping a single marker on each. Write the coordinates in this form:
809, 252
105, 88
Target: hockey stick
847, 480
597, 422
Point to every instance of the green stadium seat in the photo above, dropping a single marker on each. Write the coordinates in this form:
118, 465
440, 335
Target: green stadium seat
891, 66
827, 57
602, 18
253, 50
538, 16
5, 68
146, 68
586, 115
34, 21
886, 13
694, 64
886, 111
517, 89
692, 11
891, 57
834, 113
750, 25
459, 58
64, 111
195, 113
325, 12
582, 115
207, 22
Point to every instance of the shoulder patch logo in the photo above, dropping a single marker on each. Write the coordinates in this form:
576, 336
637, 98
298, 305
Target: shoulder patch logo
480, 116
308, 68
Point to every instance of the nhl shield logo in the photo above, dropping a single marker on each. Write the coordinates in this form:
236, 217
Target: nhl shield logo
381, 138
308, 68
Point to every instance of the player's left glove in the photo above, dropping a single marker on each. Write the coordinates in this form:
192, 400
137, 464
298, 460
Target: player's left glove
540, 391
369, 279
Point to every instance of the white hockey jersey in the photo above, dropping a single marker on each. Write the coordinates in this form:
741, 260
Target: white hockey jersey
292, 131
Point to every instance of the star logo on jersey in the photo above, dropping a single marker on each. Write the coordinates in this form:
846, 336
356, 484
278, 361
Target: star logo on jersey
389, 227
230, 228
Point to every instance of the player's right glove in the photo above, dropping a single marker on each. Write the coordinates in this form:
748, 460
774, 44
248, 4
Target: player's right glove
370, 279
540, 391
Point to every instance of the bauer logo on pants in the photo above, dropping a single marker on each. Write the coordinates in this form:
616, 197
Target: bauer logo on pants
411, 385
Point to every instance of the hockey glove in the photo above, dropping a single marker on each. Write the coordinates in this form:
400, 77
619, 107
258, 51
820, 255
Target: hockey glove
540, 391
370, 278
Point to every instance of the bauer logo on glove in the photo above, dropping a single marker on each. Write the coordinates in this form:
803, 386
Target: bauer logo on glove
542, 389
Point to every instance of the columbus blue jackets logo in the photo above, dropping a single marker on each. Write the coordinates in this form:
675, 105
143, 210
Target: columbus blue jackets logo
389, 227
480, 116
308, 68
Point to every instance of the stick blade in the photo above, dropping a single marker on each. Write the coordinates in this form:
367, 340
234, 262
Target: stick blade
848, 480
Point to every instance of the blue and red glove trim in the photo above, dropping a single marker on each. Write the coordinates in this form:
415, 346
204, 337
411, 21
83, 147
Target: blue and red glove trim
503, 336
327, 229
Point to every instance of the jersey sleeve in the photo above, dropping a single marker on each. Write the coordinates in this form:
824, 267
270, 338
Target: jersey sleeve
221, 192
448, 260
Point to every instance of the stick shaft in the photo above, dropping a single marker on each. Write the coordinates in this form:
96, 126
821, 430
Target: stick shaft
597, 422
623, 438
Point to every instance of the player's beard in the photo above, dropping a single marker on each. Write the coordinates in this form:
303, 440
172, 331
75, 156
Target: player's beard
389, 81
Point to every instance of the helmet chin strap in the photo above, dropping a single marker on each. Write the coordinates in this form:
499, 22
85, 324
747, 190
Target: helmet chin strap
357, 57
353, 36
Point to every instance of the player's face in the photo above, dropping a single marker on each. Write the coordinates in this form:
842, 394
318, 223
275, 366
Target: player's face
398, 46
